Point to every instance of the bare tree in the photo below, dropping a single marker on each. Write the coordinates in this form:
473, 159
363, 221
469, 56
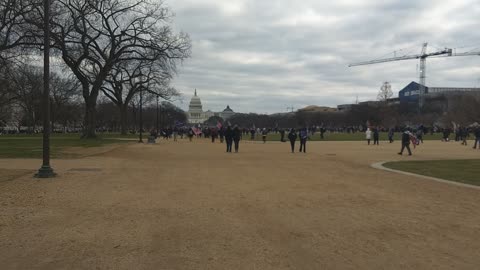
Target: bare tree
385, 92
26, 88
129, 78
64, 96
93, 36
13, 28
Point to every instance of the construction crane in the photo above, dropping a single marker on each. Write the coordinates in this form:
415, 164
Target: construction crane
423, 64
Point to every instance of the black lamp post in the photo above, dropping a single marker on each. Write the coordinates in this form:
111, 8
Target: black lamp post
46, 171
158, 130
140, 139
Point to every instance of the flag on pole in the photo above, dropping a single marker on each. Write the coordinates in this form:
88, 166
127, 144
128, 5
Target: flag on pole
196, 131
219, 125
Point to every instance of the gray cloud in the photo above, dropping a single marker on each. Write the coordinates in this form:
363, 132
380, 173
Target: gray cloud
264, 56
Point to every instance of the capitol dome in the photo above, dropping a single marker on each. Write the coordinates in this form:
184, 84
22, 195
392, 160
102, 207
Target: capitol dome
227, 113
228, 109
195, 103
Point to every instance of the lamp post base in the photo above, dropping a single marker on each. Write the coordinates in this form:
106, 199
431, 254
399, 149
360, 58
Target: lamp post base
45, 172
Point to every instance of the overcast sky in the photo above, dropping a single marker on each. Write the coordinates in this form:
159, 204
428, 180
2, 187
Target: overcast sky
266, 55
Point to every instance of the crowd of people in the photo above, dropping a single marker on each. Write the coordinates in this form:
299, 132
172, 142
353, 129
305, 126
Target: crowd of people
232, 135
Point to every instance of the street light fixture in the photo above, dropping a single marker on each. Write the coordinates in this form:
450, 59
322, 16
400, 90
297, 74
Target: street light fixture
158, 130
46, 171
140, 139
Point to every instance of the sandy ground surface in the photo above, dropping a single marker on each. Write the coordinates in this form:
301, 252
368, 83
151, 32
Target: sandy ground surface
192, 206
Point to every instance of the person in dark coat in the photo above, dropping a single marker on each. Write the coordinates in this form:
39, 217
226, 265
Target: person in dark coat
477, 138
221, 134
229, 138
322, 132
213, 134
391, 133
237, 135
282, 135
405, 142
292, 136
376, 136
303, 140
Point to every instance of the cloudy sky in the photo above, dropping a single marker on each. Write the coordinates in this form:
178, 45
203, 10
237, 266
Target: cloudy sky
266, 55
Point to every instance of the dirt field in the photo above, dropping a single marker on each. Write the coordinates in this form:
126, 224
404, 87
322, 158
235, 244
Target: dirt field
193, 206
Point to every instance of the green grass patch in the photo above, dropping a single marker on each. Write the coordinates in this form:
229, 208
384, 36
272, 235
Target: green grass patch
30, 146
463, 171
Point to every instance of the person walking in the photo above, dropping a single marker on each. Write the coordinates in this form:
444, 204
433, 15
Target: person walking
221, 134
464, 135
405, 142
282, 135
237, 135
292, 136
303, 140
175, 133
376, 136
391, 133
229, 138
190, 134
213, 134
477, 137
322, 132
368, 135
419, 134
264, 135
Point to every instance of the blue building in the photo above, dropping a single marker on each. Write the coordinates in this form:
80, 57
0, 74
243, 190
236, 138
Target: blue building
411, 92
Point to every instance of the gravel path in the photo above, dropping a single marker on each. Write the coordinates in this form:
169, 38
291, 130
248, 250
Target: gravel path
191, 206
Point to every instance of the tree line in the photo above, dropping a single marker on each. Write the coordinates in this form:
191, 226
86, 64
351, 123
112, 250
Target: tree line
107, 50
461, 108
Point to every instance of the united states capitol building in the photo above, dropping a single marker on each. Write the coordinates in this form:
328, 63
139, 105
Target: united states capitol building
196, 115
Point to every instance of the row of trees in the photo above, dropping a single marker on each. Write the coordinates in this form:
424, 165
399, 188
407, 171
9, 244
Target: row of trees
110, 48
21, 89
442, 111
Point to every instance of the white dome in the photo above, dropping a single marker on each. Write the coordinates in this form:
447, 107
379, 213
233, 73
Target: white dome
195, 103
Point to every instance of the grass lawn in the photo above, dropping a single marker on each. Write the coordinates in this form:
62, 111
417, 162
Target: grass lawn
463, 171
30, 146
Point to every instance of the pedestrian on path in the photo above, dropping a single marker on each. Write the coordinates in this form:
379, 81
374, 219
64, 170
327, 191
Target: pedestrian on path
376, 136
405, 142
282, 135
292, 136
229, 138
368, 135
303, 140
477, 137
391, 133
264, 135
237, 135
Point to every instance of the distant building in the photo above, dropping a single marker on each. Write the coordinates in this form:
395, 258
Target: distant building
196, 115
313, 108
195, 112
411, 92
345, 107
227, 113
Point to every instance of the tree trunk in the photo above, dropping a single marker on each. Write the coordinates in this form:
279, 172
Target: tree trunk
123, 119
89, 120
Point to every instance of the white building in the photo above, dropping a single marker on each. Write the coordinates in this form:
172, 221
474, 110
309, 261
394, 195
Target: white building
196, 115
227, 113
